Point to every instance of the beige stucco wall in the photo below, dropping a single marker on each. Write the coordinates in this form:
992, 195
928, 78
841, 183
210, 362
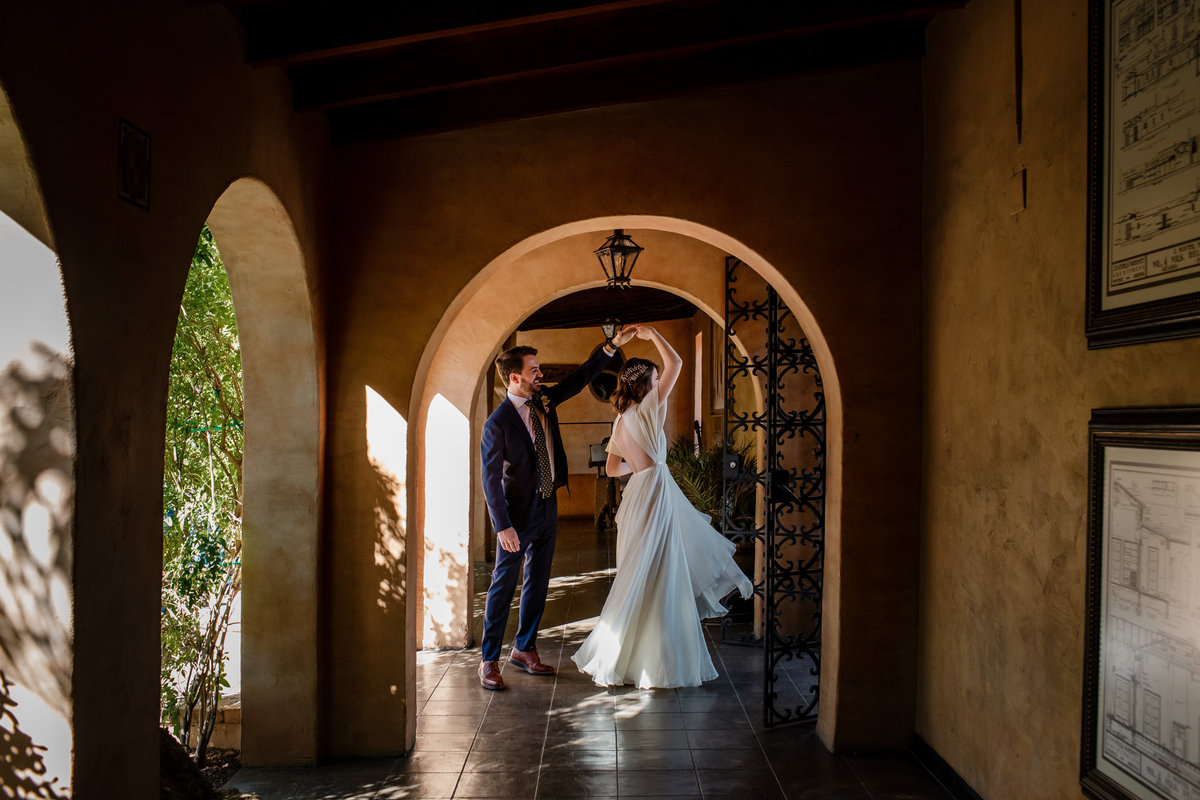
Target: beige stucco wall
71, 71
1010, 387
786, 169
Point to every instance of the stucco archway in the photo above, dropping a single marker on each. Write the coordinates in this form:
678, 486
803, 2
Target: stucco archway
281, 473
482, 316
37, 478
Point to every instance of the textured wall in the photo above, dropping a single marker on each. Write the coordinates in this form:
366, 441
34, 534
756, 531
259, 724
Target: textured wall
818, 175
71, 71
1010, 387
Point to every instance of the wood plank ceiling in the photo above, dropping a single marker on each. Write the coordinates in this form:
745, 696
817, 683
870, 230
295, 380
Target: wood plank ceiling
382, 69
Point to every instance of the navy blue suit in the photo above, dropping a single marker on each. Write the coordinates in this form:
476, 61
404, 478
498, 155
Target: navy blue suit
510, 486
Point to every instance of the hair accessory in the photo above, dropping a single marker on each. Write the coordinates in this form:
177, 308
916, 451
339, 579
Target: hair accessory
633, 373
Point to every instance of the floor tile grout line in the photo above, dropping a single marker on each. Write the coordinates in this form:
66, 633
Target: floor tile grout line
758, 739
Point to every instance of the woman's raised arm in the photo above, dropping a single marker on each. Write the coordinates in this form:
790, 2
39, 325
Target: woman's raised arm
672, 363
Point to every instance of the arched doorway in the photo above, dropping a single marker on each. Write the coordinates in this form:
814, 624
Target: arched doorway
447, 385
281, 470
37, 483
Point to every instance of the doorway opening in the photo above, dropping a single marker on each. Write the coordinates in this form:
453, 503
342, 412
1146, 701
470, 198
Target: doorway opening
453, 375
37, 485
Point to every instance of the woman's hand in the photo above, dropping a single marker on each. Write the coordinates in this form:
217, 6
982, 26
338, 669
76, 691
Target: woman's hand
625, 334
645, 332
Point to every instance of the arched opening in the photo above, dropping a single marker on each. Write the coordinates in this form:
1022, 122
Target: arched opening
486, 313
202, 514
280, 482
37, 485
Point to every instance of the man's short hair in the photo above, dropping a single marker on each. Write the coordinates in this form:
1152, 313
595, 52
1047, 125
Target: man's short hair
513, 360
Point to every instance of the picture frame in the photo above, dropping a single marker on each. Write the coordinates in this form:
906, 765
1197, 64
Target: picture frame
1141, 678
1143, 259
133, 165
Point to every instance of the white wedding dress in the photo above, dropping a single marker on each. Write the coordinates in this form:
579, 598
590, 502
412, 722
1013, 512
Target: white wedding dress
673, 569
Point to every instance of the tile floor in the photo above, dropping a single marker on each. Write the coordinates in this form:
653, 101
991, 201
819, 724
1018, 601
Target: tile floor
563, 737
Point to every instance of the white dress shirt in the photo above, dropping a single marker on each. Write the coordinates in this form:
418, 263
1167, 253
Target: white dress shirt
524, 411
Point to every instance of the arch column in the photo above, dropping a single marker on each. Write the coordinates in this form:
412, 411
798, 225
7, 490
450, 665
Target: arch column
280, 483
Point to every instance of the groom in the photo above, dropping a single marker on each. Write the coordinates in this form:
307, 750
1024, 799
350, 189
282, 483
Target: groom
523, 465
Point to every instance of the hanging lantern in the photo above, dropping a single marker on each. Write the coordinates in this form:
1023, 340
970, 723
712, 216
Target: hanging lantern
617, 256
610, 327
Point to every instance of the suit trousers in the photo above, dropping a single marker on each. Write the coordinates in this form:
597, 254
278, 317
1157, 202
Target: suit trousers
537, 551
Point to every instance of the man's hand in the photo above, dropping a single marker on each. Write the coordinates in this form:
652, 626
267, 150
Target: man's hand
626, 334
508, 540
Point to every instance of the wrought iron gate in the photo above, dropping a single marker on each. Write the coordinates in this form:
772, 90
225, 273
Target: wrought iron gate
774, 486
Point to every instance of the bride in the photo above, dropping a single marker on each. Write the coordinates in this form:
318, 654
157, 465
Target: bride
672, 567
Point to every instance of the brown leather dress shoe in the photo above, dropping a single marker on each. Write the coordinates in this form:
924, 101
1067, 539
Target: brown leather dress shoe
528, 660
489, 675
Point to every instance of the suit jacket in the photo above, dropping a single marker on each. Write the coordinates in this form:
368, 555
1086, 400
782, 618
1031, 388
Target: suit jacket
510, 479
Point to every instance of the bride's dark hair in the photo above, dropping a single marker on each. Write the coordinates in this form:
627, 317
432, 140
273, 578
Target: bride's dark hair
632, 383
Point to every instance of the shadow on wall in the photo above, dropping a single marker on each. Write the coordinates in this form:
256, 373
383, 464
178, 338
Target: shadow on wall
389, 542
23, 771
387, 456
36, 447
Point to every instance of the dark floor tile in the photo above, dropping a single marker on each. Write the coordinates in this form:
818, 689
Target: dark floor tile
463, 680
722, 704
442, 708
337, 792
711, 721
582, 720
570, 759
895, 776
750, 784
654, 759
497, 784
594, 740
723, 758
519, 759
432, 761
715, 740
716, 688
557, 784
652, 740
657, 783
473, 693
267, 783
513, 727
423, 786
443, 742
648, 703
448, 724
649, 722
831, 791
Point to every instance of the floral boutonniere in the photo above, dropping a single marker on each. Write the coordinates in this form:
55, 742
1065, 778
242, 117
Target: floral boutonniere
543, 401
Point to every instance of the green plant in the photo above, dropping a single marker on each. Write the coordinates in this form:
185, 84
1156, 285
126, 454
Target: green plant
202, 499
699, 473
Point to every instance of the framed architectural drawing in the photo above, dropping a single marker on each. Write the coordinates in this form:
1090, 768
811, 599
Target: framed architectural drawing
133, 164
1143, 280
1141, 684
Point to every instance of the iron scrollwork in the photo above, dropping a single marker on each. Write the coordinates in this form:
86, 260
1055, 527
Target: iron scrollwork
785, 531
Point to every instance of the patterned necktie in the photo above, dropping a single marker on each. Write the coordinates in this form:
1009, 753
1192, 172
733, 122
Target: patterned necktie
545, 479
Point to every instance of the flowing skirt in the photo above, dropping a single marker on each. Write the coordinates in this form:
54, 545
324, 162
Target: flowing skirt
672, 571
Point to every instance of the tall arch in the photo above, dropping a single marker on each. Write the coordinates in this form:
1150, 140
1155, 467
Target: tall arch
484, 313
281, 476
37, 480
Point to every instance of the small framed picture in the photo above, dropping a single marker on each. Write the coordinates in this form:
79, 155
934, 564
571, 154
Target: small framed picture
1143, 265
133, 165
1141, 679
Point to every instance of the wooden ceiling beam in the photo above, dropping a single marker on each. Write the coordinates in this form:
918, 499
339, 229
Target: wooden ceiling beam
294, 32
561, 90
599, 45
